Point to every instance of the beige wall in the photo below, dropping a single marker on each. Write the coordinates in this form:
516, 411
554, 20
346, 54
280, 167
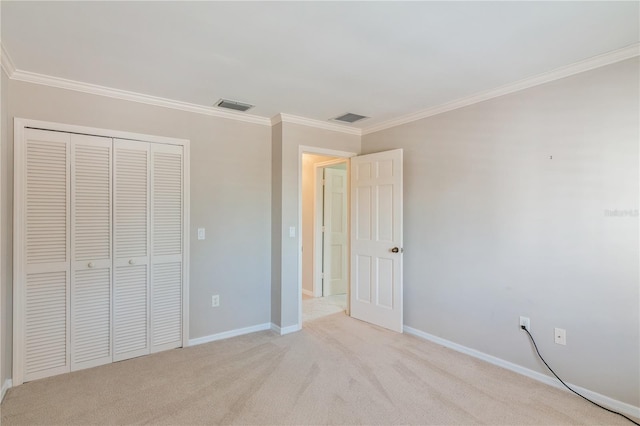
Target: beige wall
230, 195
308, 214
293, 137
495, 228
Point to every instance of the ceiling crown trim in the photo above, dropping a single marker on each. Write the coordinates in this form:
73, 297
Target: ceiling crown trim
6, 62
562, 72
94, 89
318, 124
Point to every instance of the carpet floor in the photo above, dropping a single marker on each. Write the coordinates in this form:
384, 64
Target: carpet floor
337, 370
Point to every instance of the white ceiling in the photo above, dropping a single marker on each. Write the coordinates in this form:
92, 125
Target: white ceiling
312, 59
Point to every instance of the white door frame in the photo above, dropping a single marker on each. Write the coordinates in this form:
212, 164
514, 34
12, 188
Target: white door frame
304, 149
18, 224
318, 212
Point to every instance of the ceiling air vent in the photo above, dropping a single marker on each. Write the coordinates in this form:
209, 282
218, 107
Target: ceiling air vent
349, 118
234, 105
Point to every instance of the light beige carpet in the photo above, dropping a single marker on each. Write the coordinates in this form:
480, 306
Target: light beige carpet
335, 371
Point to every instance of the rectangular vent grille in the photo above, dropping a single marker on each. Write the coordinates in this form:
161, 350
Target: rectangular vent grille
350, 117
234, 105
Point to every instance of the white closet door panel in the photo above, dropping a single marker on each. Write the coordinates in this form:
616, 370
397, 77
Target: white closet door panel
91, 318
132, 199
166, 306
45, 325
91, 251
45, 279
47, 201
131, 249
167, 199
130, 312
166, 243
91, 198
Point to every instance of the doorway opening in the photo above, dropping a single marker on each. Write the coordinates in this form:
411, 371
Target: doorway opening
325, 236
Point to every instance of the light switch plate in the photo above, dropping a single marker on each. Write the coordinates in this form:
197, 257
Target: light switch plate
560, 336
292, 231
201, 233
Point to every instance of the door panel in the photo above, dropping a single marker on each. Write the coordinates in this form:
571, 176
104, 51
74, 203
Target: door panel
166, 246
376, 229
131, 249
47, 255
130, 311
335, 257
91, 264
91, 318
46, 325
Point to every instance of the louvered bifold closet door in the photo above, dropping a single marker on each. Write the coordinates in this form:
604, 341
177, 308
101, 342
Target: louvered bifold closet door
131, 249
166, 246
90, 251
45, 283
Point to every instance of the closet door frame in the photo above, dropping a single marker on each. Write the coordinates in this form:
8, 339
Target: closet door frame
19, 231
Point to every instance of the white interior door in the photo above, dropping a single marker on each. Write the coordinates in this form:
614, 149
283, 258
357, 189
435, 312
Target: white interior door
336, 240
376, 239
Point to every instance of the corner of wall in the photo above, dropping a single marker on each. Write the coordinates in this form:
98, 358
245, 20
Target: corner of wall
276, 222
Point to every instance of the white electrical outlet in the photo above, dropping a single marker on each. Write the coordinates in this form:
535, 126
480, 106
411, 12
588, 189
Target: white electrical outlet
560, 336
215, 300
526, 322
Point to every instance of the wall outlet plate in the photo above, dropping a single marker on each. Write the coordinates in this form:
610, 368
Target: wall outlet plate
560, 336
526, 322
215, 300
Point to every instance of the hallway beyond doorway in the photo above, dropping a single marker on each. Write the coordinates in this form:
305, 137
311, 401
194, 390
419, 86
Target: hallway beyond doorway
318, 307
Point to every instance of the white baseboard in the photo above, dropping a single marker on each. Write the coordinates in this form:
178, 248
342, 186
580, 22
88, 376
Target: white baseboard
307, 292
228, 334
285, 330
5, 387
614, 404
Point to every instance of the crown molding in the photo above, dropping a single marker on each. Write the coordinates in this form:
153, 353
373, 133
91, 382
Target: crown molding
318, 124
556, 74
94, 89
7, 63
562, 72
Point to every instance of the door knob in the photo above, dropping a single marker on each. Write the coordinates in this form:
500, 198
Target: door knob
90, 264
395, 250
132, 262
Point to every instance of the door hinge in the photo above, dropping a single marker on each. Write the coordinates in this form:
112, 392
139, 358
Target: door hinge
324, 228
